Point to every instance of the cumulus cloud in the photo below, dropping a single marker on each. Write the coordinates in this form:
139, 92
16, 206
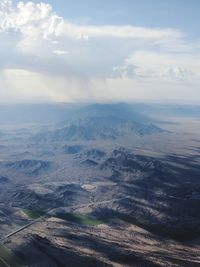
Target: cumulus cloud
31, 20
68, 61
39, 20
160, 64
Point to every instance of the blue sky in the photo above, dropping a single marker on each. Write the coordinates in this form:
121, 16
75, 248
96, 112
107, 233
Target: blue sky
108, 50
181, 14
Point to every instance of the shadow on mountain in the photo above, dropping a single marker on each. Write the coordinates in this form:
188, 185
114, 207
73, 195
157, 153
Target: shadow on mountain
41, 252
164, 198
39, 248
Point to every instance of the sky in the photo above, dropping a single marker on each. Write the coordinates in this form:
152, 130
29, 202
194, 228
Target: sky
100, 51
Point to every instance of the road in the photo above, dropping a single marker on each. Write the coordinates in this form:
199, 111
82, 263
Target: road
50, 210
23, 227
8, 258
3, 262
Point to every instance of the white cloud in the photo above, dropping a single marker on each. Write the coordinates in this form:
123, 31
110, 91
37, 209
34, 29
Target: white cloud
61, 52
31, 20
5, 7
39, 20
72, 61
178, 73
156, 64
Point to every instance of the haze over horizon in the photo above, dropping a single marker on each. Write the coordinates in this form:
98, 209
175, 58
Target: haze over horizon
91, 51
99, 133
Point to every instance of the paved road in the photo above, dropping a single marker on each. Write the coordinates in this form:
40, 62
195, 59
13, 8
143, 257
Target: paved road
49, 211
3, 263
19, 230
22, 228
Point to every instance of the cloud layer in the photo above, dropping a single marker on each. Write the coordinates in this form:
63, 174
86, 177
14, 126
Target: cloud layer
45, 57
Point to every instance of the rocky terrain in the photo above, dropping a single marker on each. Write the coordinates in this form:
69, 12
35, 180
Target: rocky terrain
115, 188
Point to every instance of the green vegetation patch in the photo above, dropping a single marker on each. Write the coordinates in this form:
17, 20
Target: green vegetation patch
180, 235
82, 219
33, 214
8, 258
